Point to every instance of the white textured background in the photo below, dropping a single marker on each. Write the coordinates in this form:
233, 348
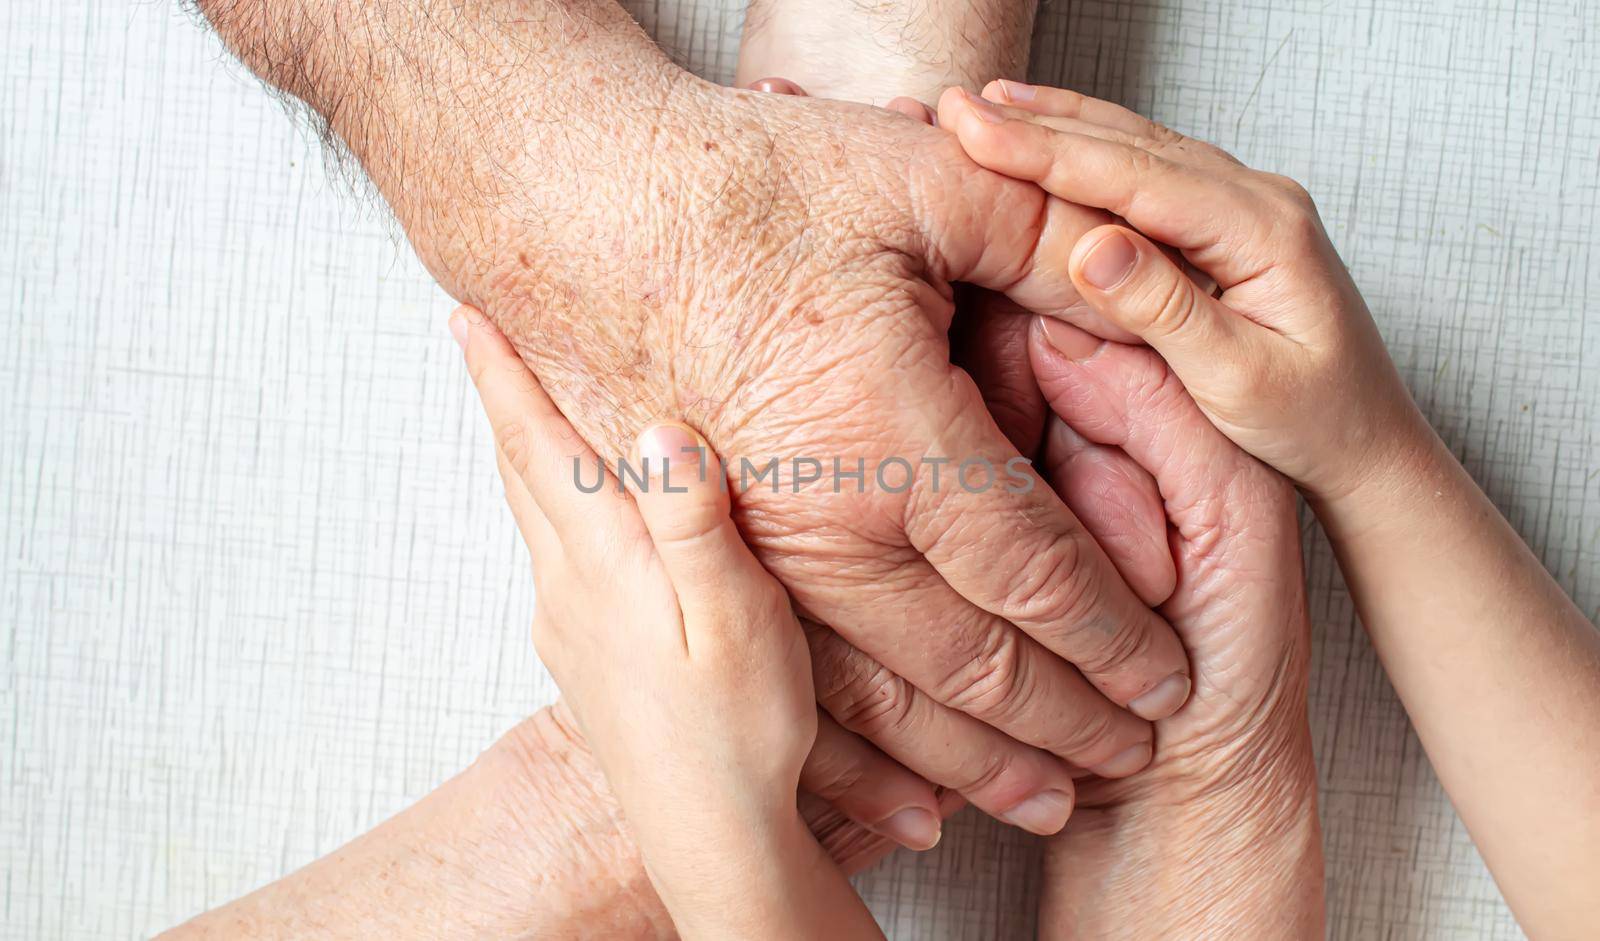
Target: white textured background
257, 587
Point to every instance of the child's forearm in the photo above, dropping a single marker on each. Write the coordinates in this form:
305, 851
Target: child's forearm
767, 882
1498, 669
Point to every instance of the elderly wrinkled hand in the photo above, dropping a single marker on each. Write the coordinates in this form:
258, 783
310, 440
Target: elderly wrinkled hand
1233, 780
776, 272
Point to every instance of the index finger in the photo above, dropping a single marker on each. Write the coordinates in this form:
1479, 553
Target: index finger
1066, 103
1216, 222
1008, 544
574, 491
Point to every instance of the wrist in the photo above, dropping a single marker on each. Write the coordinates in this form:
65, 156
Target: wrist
555, 828
845, 50
1380, 488
774, 882
1214, 850
520, 845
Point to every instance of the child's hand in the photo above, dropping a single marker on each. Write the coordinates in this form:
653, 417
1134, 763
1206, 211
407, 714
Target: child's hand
1286, 361
1498, 669
679, 656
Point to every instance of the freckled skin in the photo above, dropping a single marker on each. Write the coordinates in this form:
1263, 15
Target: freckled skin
787, 291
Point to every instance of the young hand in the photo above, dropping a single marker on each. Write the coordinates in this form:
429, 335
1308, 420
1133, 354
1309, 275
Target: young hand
680, 658
1497, 668
1286, 360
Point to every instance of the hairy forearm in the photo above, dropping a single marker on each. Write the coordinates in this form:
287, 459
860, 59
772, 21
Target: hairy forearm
524, 844
452, 107
1498, 669
366, 64
876, 51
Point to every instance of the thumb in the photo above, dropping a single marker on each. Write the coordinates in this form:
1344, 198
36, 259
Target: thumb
1129, 281
1008, 236
684, 503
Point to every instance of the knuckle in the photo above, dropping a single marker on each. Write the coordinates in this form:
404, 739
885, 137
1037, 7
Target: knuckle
1302, 228
1143, 163
1144, 383
1293, 210
994, 681
1050, 583
984, 773
1069, 103
1173, 304
1106, 651
1096, 639
514, 439
1084, 617
1090, 738
833, 772
870, 703
1162, 137
1292, 191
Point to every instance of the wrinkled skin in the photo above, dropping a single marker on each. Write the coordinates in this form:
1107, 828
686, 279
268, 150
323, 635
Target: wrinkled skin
1230, 795
775, 272
1218, 837
825, 336
853, 362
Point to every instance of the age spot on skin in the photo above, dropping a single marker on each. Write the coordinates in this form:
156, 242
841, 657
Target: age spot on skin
711, 145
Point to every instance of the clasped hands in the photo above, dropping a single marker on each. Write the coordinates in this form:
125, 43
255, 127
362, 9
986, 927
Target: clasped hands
1115, 654
1008, 644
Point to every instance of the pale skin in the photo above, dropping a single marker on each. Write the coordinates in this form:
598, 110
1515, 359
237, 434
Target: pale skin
538, 839
588, 874
703, 714
528, 842
878, 52
1219, 837
1136, 818
777, 273
705, 756
405, 88
1498, 669
704, 720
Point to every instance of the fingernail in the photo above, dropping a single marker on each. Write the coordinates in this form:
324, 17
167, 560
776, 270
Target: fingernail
664, 445
984, 109
1043, 813
1016, 91
776, 86
458, 329
1069, 341
913, 828
1162, 699
1109, 261
1125, 763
